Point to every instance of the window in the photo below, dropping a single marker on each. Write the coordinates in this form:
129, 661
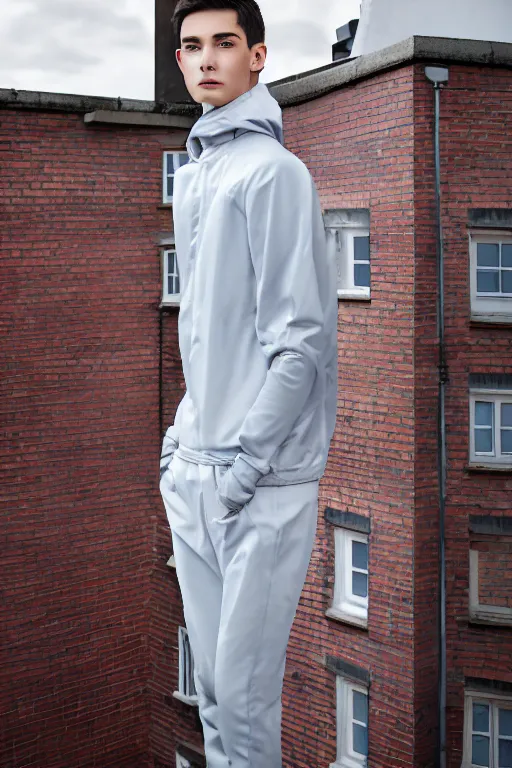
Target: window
172, 161
170, 278
352, 724
348, 242
182, 762
491, 427
490, 574
189, 758
487, 731
491, 276
350, 598
186, 688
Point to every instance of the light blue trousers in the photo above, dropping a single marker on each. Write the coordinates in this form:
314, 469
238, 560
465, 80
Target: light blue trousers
240, 582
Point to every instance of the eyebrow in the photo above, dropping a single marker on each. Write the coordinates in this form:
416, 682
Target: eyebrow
218, 36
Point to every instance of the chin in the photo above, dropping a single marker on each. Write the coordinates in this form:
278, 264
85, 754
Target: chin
215, 101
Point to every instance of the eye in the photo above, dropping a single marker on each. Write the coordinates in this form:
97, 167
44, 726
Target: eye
190, 47
227, 42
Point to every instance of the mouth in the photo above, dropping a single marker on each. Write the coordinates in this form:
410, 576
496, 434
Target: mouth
210, 84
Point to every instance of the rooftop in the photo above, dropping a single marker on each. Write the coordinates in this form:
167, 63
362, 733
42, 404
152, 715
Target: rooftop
289, 91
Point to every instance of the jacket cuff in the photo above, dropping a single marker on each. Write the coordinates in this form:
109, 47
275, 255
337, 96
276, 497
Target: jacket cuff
238, 484
246, 474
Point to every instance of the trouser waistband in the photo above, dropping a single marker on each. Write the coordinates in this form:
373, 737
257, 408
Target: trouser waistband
202, 457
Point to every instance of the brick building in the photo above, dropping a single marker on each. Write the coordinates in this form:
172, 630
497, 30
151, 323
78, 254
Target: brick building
97, 669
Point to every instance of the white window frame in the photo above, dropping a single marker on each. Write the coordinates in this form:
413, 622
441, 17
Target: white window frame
346, 757
346, 606
482, 613
488, 307
177, 163
186, 687
496, 459
340, 243
495, 702
169, 299
182, 762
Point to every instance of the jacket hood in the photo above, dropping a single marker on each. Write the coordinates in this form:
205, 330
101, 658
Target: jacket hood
255, 110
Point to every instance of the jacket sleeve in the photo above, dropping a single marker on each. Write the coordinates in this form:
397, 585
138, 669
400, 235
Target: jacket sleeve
281, 206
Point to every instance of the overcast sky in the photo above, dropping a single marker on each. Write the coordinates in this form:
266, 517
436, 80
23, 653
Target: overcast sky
106, 47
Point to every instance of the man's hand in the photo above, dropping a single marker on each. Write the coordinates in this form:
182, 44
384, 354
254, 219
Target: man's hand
231, 493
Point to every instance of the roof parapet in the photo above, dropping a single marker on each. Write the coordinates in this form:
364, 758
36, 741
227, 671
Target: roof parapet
66, 102
306, 86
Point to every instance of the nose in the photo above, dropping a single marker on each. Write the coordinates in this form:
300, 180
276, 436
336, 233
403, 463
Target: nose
207, 59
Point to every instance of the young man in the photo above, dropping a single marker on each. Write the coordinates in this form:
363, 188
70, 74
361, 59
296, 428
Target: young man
257, 332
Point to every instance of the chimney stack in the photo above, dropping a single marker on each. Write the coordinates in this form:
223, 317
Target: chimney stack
345, 36
169, 82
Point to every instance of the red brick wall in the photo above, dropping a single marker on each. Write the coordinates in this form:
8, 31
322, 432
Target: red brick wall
93, 609
494, 571
88, 660
358, 145
426, 360
476, 130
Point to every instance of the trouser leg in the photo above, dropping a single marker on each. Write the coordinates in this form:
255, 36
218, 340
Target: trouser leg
241, 582
200, 583
264, 555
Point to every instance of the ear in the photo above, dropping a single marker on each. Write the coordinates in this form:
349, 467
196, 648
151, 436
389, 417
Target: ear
178, 58
259, 57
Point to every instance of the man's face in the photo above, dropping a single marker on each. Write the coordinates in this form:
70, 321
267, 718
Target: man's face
214, 47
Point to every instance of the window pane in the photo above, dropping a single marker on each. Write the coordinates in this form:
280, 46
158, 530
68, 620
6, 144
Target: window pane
506, 415
177, 284
359, 584
488, 282
505, 726
362, 248
170, 186
183, 158
170, 163
170, 257
506, 281
360, 738
361, 707
362, 275
505, 751
506, 440
483, 441
483, 414
506, 255
488, 255
481, 718
480, 751
360, 555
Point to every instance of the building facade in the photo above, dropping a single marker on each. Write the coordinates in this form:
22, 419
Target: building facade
95, 625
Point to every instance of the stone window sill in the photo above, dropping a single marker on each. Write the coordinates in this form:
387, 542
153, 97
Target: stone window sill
346, 618
489, 319
488, 615
478, 467
190, 700
353, 296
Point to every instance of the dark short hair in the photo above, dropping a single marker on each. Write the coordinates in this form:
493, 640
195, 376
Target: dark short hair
249, 16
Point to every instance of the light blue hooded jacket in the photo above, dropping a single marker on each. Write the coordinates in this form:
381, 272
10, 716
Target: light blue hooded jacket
258, 312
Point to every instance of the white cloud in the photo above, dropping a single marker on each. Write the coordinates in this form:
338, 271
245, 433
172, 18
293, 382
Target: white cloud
106, 48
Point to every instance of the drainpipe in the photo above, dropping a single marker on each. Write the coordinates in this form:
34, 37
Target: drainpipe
438, 76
